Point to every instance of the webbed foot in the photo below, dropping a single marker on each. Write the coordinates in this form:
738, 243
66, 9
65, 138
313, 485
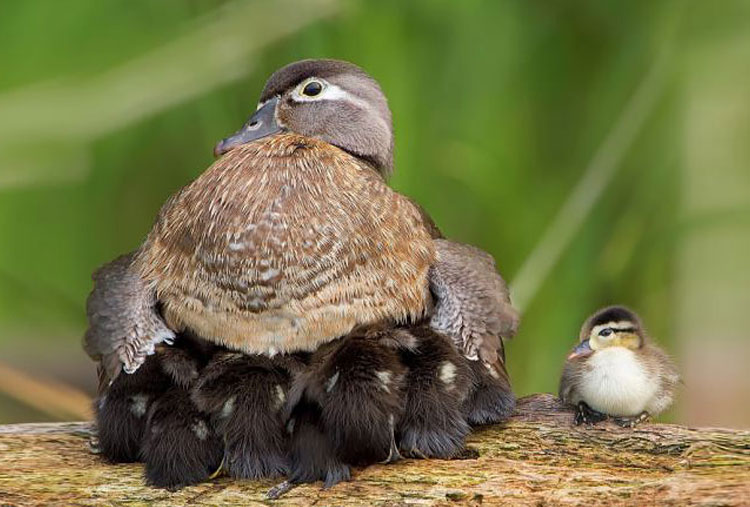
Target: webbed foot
587, 415
632, 422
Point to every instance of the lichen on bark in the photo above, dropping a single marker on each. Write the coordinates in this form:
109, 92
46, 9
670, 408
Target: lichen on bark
537, 458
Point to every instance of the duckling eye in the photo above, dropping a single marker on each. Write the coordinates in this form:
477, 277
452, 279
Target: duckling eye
312, 89
605, 332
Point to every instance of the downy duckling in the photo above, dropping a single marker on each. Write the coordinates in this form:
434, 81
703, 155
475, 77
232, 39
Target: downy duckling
615, 371
124, 402
244, 396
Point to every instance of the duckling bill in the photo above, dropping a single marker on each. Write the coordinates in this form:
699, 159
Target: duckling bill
617, 371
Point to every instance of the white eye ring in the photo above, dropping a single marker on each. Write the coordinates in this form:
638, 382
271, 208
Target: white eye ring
315, 85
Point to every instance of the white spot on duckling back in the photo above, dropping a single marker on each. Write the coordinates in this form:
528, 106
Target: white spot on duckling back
492, 370
447, 374
280, 396
138, 404
615, 382
200, 429
332, 382
228, 407
385, 379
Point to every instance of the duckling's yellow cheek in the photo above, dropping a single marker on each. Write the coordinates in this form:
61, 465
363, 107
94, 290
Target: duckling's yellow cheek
594, 342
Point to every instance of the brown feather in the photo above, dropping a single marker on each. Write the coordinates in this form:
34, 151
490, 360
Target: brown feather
473, 303
286, 243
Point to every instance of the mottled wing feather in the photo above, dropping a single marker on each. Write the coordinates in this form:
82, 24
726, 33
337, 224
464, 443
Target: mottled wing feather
472, 301
124, 325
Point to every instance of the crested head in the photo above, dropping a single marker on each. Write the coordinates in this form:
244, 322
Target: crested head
613, 326
330, 100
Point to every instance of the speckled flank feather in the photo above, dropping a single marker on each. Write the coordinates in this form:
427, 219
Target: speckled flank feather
473, 303
124, 326
286, 243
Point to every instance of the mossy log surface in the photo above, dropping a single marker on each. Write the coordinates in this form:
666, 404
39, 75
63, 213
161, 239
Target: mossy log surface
537, 458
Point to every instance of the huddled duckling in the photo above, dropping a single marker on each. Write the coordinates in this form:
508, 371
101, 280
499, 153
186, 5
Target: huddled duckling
373, 395
244, 396
148, 416
616, 371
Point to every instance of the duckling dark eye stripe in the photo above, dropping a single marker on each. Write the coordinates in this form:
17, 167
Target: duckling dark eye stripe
623, 330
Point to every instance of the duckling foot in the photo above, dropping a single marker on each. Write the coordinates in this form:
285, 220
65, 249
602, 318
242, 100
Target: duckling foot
587, 415
393, 454
632, 422
437, 385
280, 490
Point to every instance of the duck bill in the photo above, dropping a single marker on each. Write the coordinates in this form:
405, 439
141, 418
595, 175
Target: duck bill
261, 124
583, 349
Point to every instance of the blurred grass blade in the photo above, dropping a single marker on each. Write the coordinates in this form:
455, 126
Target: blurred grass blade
55, 399
217, 50
599, 172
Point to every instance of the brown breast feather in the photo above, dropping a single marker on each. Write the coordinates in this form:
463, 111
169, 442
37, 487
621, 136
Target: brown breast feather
286, 243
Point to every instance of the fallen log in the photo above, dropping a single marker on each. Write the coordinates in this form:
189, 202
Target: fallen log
539, 457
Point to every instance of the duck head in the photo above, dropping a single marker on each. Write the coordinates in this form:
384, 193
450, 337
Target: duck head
613, 326
331, 100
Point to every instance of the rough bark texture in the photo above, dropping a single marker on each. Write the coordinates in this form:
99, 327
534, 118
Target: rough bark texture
538, 458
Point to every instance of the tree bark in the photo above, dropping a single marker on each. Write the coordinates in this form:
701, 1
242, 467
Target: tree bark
537, 458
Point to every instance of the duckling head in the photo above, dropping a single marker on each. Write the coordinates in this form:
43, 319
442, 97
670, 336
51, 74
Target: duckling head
331, 100
613, 326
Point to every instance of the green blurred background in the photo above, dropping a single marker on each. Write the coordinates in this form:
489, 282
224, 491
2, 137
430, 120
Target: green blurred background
599, 149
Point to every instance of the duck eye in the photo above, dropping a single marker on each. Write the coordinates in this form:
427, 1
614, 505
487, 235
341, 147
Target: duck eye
605, 332
312, 89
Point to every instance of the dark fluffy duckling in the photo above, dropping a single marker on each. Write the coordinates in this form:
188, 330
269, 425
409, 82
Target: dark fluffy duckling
148, 416
180, 447
344, 408
438, 384
121, 410
373, 395
245, 398
616, 371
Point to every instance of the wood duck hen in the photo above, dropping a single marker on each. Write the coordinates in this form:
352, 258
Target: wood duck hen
290, 240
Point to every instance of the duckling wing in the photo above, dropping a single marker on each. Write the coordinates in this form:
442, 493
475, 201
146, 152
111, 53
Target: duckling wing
472, 302
124, 325
569, 382
661, 366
